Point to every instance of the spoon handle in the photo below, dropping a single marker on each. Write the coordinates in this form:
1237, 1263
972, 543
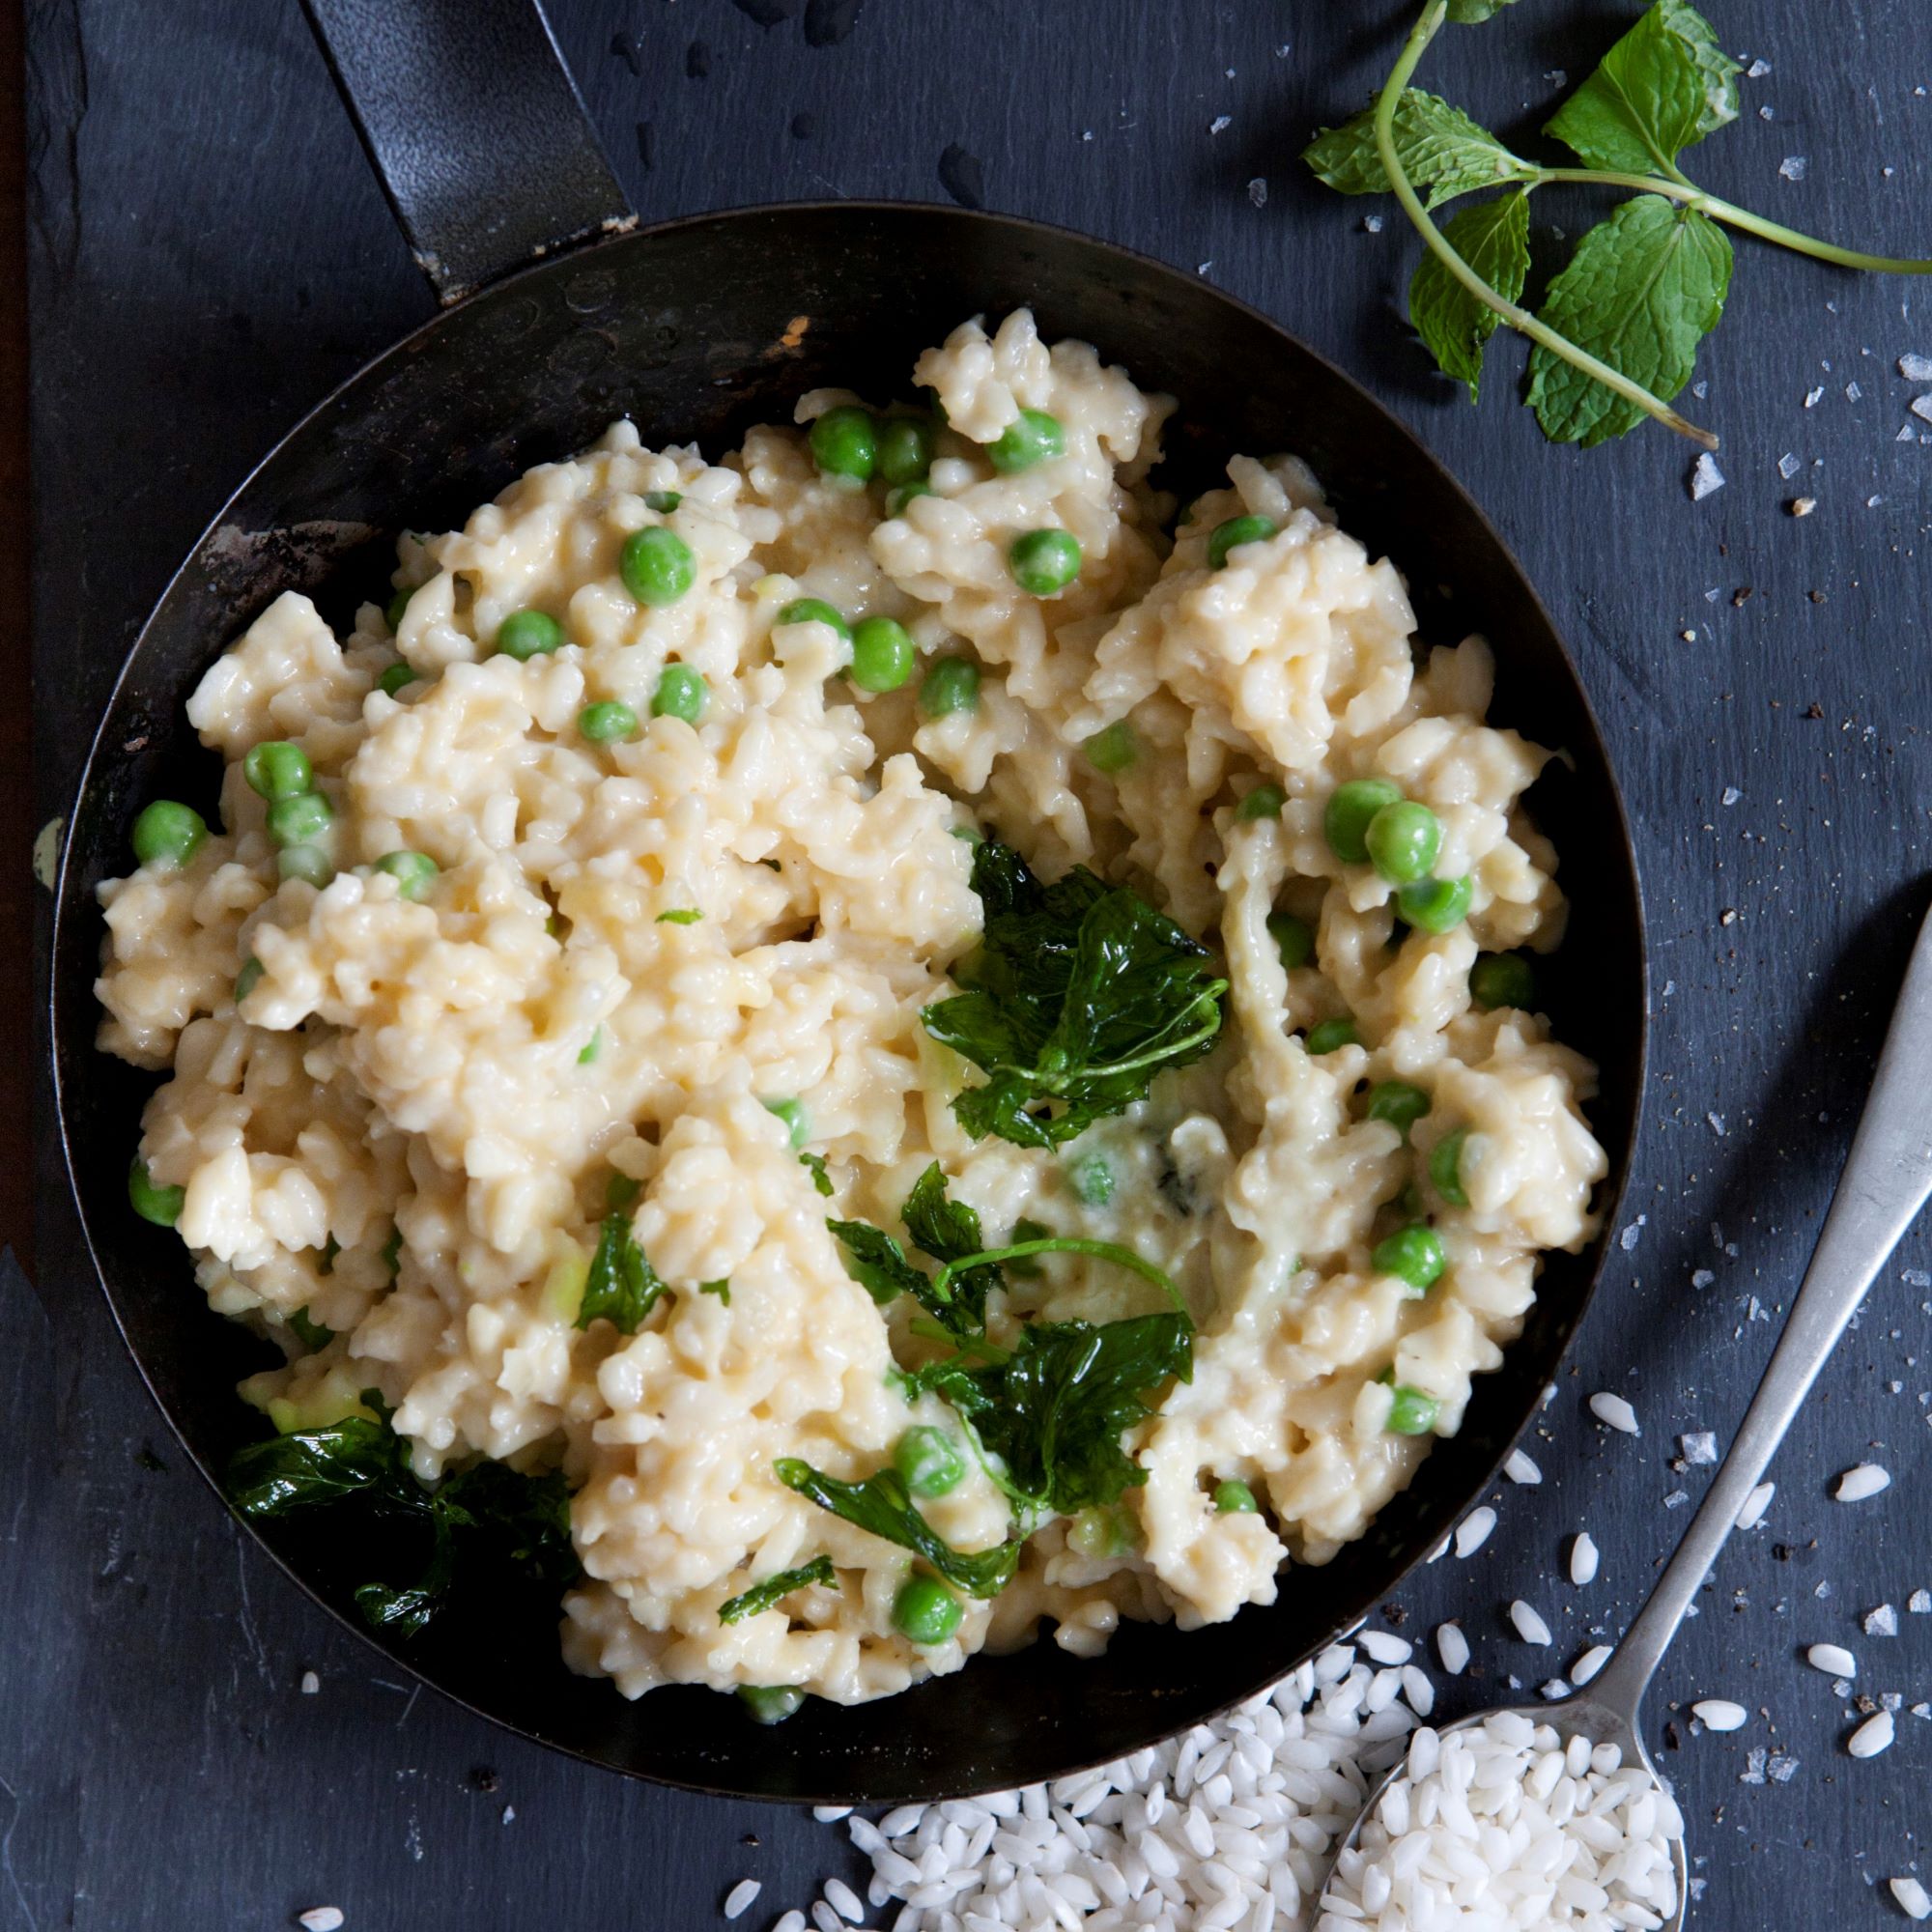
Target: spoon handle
1887, 1180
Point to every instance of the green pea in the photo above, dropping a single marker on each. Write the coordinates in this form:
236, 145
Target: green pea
529, 633
1235, 532
1445, 1168
905, 449
606, 723
398, 603
278, 770
1113, 750
167, 834
770, 1703
1032, 437
1403, 840
1350, 810
163, 1206
1232, 1498
1093, 1180
902, 494
953, 684
925, 1611
307, 862
414, 873
395, 678
1295, 938
882, 654
663, 501
1044, 561
1502, 979
680, 693
929, 1460
1399, 1103
1411, 1413
1435, 905
814, 611
299, 821
1325, 1036
1264, 801
1413, 1255
657, 565
1103, 1532
792, 1114
845, 443
248, 979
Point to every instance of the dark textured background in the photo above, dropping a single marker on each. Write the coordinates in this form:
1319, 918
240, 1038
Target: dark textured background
209, 254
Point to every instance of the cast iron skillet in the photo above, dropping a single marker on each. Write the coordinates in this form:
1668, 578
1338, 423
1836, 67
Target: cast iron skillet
697, 330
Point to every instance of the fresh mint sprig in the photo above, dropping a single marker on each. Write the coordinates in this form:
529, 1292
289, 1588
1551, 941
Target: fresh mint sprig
1619, 327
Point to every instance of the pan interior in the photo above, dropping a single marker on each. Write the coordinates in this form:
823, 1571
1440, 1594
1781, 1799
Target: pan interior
696, 331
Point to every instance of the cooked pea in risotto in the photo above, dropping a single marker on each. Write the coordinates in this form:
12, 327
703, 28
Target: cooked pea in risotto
853, 1051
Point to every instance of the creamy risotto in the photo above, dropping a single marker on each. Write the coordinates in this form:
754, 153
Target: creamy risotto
565, 1027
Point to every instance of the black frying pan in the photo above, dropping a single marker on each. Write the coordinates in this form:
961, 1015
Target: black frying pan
688, 328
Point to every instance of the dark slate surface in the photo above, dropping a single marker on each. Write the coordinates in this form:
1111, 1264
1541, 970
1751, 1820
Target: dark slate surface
211, 255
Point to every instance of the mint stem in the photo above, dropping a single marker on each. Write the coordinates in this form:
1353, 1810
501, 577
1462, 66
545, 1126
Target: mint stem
1719, 209
1067, 1244
1519, 319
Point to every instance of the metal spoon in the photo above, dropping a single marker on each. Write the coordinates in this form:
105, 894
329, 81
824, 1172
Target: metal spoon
1887, 1180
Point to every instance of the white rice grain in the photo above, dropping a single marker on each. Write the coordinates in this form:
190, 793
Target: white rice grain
1720, 1714
1833, 1659
1908, 1893
1453, 1648
1755, 1505
320, 1919
1473, 1531
1589, 1663
742, 1896
1616, 1413
1520, 1468
1583, 1559
1866, 1480
1529, 1625
844, 1900
1871, 1737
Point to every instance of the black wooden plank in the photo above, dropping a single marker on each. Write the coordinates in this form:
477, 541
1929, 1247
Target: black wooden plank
211, 255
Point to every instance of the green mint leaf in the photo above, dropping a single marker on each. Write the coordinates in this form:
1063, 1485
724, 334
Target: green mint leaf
774, 1590
878, 1264
1078, 994
622, 1287
1644, 288
882, 1505
949, 1230
1438, 146
1660, 90
721, 1289
309, 1332
1473, 12
820, 1179
1493, 238
351, 1457
1055, 1409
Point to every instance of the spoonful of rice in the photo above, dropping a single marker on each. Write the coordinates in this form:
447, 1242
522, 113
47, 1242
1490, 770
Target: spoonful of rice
1552, 1815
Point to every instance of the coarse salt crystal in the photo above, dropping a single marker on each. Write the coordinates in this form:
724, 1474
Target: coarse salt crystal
1921, 406
320, 1919
1521, 1469
1616, 1412
1866, 1480
1757, 69
1915, 368
744, 1894
1706, 478
1583, 1559
1911, 1898
1720, 1714
1833, 1659
1473, 1531
1589, 1663
1788, 465
1699, 1448
1792, 167
1453, 1648
1755, 1505
1528, 1625
1871, 1737
1919, 1601
1882, 1622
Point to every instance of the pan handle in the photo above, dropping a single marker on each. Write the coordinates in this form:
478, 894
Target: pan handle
477, 130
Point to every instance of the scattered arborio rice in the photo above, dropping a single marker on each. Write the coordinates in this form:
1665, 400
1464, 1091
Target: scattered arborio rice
1505, 1826
522, 955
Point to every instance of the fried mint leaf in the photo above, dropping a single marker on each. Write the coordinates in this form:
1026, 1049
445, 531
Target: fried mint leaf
1493, 240
878, 1264
622, 1287
949, 1230
1054, 1411
1660, 90
1473, 12
882, 1505
1645, 288
516, 1520
774, 1589
1438, 146
1077, 996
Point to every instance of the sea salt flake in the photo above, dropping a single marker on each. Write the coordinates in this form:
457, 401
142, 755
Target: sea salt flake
1915, 368
1220, 123
1921, 406
1754, 1762
1371, 224
1919, 1602
1781, 1767
1757, 69
1699, 1448
1788, 464
1706, 478
1792, 167
1882, 1622
1676, 1499
1813, 398
1258, 191
1701, 1277
1628, 1240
